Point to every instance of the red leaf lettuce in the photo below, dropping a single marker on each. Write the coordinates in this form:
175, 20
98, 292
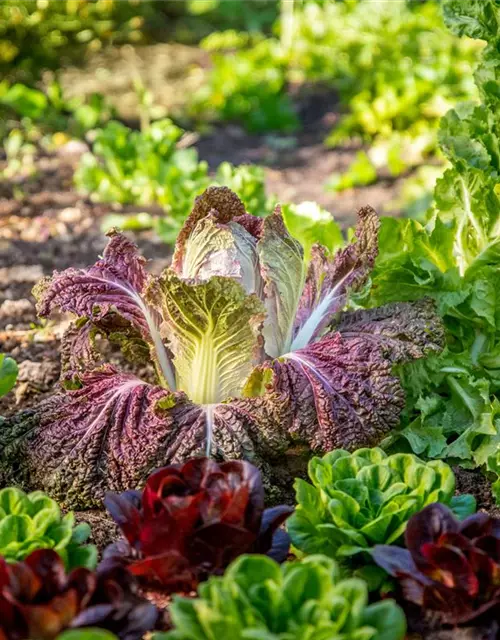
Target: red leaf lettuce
39, 600
192, 520
449, 567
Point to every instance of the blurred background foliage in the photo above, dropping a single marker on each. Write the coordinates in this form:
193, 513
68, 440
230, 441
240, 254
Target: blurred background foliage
391, 68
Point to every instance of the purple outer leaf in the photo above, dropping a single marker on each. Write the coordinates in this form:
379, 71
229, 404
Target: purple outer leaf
404, 331
105, 435
114, 283
272, 541
343, 393
341, 390
329, 280
394, 560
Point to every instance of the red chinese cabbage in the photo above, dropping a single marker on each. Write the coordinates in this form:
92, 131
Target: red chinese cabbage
252, 352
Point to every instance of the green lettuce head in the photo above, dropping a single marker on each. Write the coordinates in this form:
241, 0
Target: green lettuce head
306, 600
34, 521
252, 351
361, 499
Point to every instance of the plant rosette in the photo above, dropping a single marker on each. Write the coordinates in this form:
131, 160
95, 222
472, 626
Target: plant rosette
449, 568
39, 600
359, 500
253, 355
303, 600
34, 521
191, 520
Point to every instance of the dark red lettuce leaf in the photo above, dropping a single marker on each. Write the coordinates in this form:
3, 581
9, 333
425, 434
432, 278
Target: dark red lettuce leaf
192, 520
449, 567
39, 600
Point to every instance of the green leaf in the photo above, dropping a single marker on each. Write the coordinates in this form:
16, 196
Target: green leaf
87, 634
81, 533
474, 18
463, 505
388, 620
283, 271
213, 329
29, 103
14, 501
8, 374
14, 530
82, 556
309, 223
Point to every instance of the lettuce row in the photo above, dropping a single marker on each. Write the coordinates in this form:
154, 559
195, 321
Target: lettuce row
359, 500
252, 352
306, 600
453, 409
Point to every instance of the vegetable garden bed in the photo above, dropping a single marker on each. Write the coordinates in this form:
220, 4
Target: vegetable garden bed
276, 431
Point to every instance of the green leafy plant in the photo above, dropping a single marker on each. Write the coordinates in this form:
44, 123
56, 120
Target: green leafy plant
34, 521
49, 111
148, 168
8, 374
142, 167
306, 600
397, 70
310, 224
39, 35
247, 84
361, 499
453, 403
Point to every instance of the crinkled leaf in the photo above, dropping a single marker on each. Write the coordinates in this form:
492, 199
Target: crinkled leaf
106, 434
213, 330
113, 284
474, 18
341, 388
282, 266
329, 280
